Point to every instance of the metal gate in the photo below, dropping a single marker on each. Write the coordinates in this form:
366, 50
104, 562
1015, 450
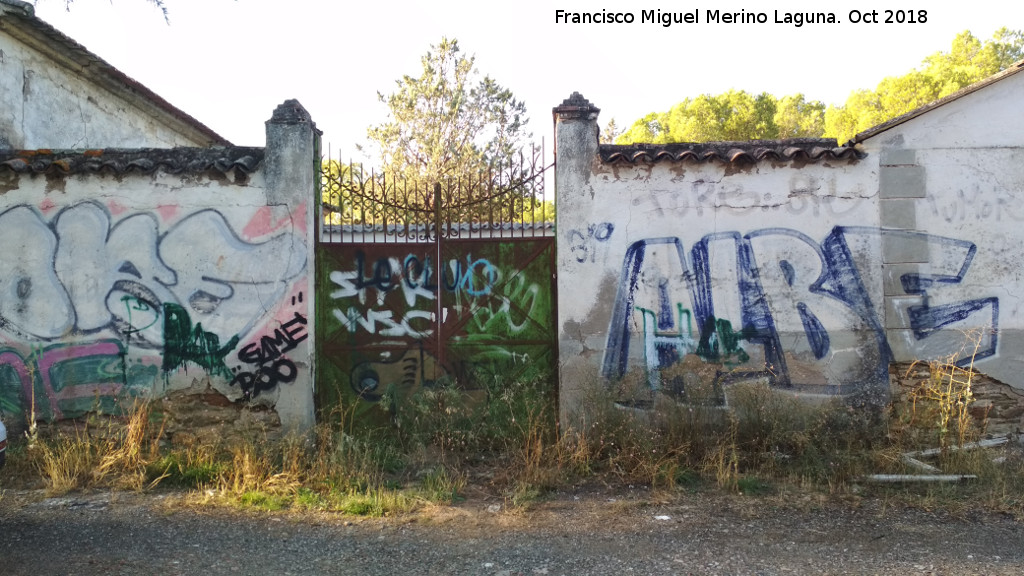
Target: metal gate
417, 286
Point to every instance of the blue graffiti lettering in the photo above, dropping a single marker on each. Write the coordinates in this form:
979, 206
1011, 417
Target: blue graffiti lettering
775, 284
583, 246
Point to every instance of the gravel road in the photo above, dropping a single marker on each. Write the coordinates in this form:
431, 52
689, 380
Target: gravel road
582, 533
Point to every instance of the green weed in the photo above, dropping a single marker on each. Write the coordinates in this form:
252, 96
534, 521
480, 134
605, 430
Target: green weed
263, 500
440, 486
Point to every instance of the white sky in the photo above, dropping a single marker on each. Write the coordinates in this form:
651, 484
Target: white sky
229, 63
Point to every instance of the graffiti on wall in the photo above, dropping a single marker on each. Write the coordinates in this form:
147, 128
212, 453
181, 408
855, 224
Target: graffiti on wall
71, 275
184, 343
396, 321
68, 379
183, 296
804, 194
267, 363
777, 295
976, 205
584, 245
405, 370
471, 282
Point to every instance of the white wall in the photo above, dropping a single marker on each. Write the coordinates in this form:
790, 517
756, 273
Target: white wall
815, 274
116, 284
957, 171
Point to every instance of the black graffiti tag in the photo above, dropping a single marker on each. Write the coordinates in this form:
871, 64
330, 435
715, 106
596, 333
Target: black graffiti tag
271, 367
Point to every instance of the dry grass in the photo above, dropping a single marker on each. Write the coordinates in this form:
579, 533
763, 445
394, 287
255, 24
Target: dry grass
762, 439
113, 453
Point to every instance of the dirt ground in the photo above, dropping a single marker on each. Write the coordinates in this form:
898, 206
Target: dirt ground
584, 531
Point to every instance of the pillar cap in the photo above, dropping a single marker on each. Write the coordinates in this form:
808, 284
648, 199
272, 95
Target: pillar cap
290, 112
576, 106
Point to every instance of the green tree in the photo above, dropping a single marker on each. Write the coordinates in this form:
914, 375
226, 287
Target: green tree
797, 118
943, 73
646, 129
730, 116
448, 122
453, 143
610, 133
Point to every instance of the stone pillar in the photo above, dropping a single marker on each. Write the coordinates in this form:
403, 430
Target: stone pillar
291, 166
292, 155
575, 146
576, 151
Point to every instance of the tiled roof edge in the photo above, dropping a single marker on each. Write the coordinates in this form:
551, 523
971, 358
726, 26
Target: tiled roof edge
752, 151
124, 161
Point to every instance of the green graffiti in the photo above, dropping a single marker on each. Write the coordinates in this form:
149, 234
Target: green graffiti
71, 380
507, 315
720, 344
139, 305
717, 343
10, 390
135, 379
184, 343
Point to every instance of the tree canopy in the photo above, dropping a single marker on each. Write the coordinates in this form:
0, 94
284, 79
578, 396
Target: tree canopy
453, 144
738, 115
448, 121
733, 115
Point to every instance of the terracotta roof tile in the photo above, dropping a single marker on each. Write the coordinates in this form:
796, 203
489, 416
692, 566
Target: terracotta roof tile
119, 161
795, 149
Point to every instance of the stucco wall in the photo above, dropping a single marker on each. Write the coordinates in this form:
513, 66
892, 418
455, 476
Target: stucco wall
956, 171
56, 95
811, 274
135, 274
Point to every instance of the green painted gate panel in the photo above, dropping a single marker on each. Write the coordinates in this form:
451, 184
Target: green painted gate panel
390, 321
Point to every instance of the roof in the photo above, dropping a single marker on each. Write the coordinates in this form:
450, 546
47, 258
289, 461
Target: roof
1013, 69
146, 160
752, 151
18, 19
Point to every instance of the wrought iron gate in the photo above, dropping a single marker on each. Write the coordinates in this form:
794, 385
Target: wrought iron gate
417, 286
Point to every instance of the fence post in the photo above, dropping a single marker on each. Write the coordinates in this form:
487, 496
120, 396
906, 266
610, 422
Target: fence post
439, 322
